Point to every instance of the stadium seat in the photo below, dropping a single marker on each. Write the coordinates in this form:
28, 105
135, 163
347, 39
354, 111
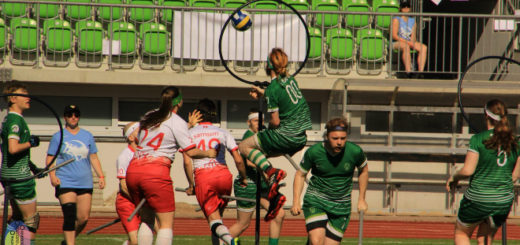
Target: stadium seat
313, 64
167, 14
77, 13
327, 20
154, 46
58, 42
3, 40
356, 21
265, 5
340, 48
298, 4
24, 41
109, 14
232, 3
47, 11
13, 10
385, 6
203, 3
371, 51
127, 35
89, 36
141, 15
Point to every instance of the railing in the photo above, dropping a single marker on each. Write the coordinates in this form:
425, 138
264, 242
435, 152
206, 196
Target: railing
84, 34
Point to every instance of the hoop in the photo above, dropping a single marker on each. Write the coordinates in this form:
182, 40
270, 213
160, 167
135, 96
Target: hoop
258, 83
461, 79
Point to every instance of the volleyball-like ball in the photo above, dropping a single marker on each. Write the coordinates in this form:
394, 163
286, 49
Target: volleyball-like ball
241, 20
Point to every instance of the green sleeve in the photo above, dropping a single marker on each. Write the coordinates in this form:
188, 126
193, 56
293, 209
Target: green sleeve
271, 98
362, 159
306, 163
474, 144
14, 128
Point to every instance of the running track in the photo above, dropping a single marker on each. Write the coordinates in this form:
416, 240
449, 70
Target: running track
291, 227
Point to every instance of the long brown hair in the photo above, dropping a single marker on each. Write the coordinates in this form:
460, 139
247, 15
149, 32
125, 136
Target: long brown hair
159, 115
503, 135
279, 61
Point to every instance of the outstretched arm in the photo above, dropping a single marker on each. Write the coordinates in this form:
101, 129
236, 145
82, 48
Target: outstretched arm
363, 183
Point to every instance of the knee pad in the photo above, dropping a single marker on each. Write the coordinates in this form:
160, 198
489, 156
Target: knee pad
69, 216
214, 227
33, 222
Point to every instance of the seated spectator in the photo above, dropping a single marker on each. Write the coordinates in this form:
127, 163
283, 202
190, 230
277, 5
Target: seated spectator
403, 34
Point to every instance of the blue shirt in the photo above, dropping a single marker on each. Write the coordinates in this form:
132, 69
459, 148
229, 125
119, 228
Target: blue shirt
77, 174
405, 28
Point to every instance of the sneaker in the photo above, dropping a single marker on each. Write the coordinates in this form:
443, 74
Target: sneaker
235, 241
275, 205
274, 182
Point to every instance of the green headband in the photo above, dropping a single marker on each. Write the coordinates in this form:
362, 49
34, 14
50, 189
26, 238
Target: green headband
177, 100
269, 64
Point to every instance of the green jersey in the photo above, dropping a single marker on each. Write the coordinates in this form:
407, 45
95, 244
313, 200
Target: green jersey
332, 175
284, 95
17, 165
492, 180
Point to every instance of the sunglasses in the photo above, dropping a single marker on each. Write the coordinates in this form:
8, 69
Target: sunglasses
70, 114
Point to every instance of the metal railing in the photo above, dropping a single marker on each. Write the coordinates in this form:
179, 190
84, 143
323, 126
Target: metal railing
57, 34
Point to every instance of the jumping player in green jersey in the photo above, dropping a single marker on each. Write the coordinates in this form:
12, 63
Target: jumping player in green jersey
245, 209
290, 118
16, 163
327, 202
492, 164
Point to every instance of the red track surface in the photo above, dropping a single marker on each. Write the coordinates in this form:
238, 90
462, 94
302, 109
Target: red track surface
291, 227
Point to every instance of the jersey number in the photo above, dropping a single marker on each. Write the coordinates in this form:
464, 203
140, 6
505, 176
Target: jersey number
502, 162
202, 144
155, 142
293, 92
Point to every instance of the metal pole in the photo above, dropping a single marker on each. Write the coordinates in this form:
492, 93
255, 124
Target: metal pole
504, 233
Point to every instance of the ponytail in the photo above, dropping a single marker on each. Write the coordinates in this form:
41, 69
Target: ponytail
503, 136
170, 97
277, 61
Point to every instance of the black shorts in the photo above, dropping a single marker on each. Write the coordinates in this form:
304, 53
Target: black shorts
78, 191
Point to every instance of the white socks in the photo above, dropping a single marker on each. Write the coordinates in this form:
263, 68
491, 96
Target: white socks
221, 230
144, 235
164, 237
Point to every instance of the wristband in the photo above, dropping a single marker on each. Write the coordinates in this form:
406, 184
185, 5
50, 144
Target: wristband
101, 177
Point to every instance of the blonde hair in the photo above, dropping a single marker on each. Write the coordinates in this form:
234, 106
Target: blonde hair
11, 88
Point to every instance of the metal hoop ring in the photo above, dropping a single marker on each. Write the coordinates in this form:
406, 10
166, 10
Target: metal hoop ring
308, 49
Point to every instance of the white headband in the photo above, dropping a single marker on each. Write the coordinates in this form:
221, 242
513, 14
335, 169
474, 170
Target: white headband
492, 115
254, 116
131, 129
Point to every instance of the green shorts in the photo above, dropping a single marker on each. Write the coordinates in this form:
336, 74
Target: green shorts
273, 143
471, 212
248, 192
23, 192
334, 225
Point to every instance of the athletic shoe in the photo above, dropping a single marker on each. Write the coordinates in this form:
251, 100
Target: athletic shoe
274, 182
235, 241
275, 205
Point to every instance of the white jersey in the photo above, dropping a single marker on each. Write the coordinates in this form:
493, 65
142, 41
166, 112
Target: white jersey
164, 140
123, 161
207, 136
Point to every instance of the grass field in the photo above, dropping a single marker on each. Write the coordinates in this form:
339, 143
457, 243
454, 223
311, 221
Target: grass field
203, 240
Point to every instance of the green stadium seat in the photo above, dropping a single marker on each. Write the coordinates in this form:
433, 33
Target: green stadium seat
89, 36
265, 5
13, 10
371, 51
340, 43
327, 20
313, 64
232, 3
3, 40
127, 35
24, 41
47, 11
154, 45
203, 3
167, 14
385, 6
58, 42
357, 21
109, 14
141, 15
298, 4
76, 12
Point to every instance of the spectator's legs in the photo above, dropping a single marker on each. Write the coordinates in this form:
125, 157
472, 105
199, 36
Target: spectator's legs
405, 55
423, 51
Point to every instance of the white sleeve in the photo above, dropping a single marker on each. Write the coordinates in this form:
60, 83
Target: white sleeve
231, 144
182, 135
122, 164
